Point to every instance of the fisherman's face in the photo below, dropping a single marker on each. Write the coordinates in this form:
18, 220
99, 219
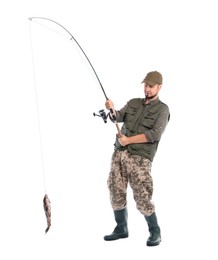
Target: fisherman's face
151, 92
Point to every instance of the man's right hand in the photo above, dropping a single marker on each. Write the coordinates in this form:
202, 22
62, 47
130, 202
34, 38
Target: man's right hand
109, 104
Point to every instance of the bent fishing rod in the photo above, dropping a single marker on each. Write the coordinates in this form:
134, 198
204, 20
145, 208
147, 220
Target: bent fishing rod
102, 114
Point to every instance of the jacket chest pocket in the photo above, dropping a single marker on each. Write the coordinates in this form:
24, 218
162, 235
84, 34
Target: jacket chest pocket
130, 114
147, 122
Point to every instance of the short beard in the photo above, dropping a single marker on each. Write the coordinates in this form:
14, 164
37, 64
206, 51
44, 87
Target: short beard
149, 98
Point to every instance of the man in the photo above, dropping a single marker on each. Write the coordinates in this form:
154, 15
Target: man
144, 121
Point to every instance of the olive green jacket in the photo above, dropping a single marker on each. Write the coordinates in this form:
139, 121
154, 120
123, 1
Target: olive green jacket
140, 118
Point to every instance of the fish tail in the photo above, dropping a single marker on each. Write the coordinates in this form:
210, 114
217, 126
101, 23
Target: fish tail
47, 229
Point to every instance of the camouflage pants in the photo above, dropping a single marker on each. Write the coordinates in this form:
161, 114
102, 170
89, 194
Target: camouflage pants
135, 170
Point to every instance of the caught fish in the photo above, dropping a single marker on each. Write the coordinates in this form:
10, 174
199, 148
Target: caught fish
47, 209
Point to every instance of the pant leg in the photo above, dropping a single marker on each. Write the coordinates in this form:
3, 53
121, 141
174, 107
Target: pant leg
142, 184
117, 181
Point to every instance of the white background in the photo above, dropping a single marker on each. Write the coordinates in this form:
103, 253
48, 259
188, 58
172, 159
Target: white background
123, 40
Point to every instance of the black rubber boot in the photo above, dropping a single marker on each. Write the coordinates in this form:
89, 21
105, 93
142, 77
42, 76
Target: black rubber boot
154, 229
121, 230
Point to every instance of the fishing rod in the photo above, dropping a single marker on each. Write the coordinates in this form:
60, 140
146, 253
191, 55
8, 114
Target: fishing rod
101, 114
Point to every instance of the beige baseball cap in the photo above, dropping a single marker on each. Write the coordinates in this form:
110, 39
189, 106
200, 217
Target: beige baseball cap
153, 78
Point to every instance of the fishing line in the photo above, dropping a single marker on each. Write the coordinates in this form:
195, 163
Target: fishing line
37, 108
47, 202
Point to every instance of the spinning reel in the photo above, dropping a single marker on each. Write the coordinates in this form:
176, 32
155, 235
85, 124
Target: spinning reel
102, 114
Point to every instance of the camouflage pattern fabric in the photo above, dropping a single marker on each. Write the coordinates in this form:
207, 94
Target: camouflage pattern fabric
135, 170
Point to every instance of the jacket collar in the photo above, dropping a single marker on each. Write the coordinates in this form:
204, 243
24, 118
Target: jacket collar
153, 102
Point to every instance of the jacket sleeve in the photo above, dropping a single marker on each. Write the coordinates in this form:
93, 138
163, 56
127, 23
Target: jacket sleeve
154, 134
